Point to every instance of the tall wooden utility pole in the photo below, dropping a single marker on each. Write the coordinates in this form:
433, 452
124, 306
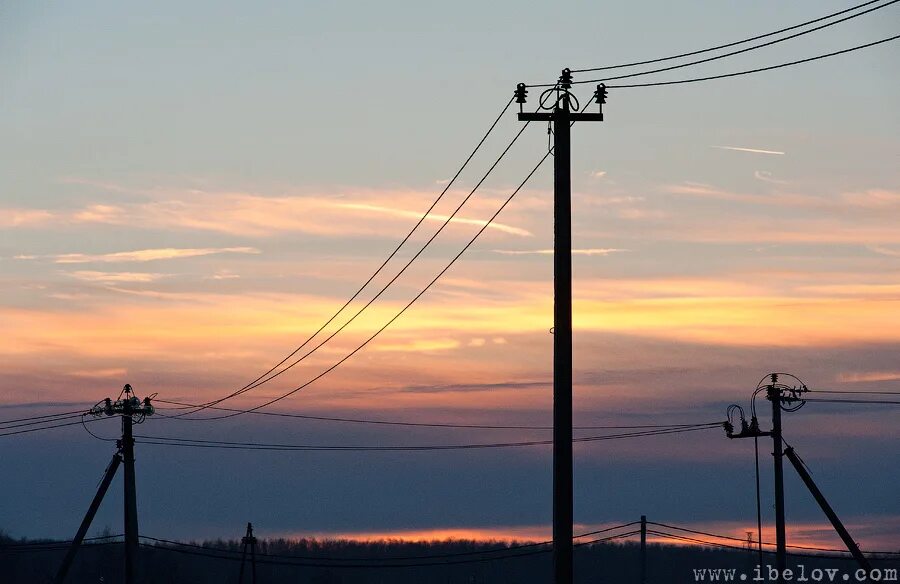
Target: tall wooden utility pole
562, 116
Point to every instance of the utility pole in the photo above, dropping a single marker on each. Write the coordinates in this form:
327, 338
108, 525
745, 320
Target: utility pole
643, 549
131, 519
773, 393
133, 411
785, 398
248, 541
562, 116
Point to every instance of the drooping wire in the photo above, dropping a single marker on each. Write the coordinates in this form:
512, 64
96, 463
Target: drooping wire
177, 547
734, 547
234, 445
38, 429
852, 392
738, 52
45, 421
408, 305
43, 417
758, 70
727, 45
854, 401
800, 547
265, 377
494, 550
428, 424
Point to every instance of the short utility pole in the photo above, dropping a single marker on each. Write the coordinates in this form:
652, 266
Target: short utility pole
562, 116
248, 541
133, 411
643, 549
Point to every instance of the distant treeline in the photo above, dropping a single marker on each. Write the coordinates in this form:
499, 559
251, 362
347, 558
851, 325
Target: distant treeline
281, 561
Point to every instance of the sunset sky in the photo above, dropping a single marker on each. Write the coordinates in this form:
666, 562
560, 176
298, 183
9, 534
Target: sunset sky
190, 190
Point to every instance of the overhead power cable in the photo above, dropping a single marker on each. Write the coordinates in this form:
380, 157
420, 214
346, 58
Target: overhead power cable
408, 305
446, 222
732, 53
268, 375
232, 555
40, 422
852, 401
51, 426
234, 445
727, 45
758, 70
426, 424
851, 392
44, 417
501, 549
800, 547
740, 548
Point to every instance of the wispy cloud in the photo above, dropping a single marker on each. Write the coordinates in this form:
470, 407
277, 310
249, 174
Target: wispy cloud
141, 255
868, 376
766, 176
602, 251
880, 249
24, 217
433, 217
598, 173
751, 150
92, 276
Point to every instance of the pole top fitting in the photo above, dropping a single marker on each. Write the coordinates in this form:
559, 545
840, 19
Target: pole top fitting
565, 80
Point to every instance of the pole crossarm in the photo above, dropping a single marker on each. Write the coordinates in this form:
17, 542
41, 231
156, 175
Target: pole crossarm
550, 116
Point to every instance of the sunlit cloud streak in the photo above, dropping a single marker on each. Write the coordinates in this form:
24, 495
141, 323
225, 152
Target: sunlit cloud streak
141, 255
751, 150
93, 276
433, 217
867, 376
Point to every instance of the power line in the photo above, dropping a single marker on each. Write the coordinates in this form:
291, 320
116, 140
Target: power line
740, 548
48, 420
426, 424
390, 282
801, 547
234, 445
82, 411
259, 380
852, 401
759, 70
284, 561
47, 427
405, 308
854, 392
727, 45
501, 549
732, 53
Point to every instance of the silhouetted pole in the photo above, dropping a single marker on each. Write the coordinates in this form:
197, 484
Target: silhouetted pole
643, 549
774, 395
88, 518
248, 540
131, 520
562, 118
829, 512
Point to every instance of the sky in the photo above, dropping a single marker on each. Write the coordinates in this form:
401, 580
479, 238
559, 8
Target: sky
190, 190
